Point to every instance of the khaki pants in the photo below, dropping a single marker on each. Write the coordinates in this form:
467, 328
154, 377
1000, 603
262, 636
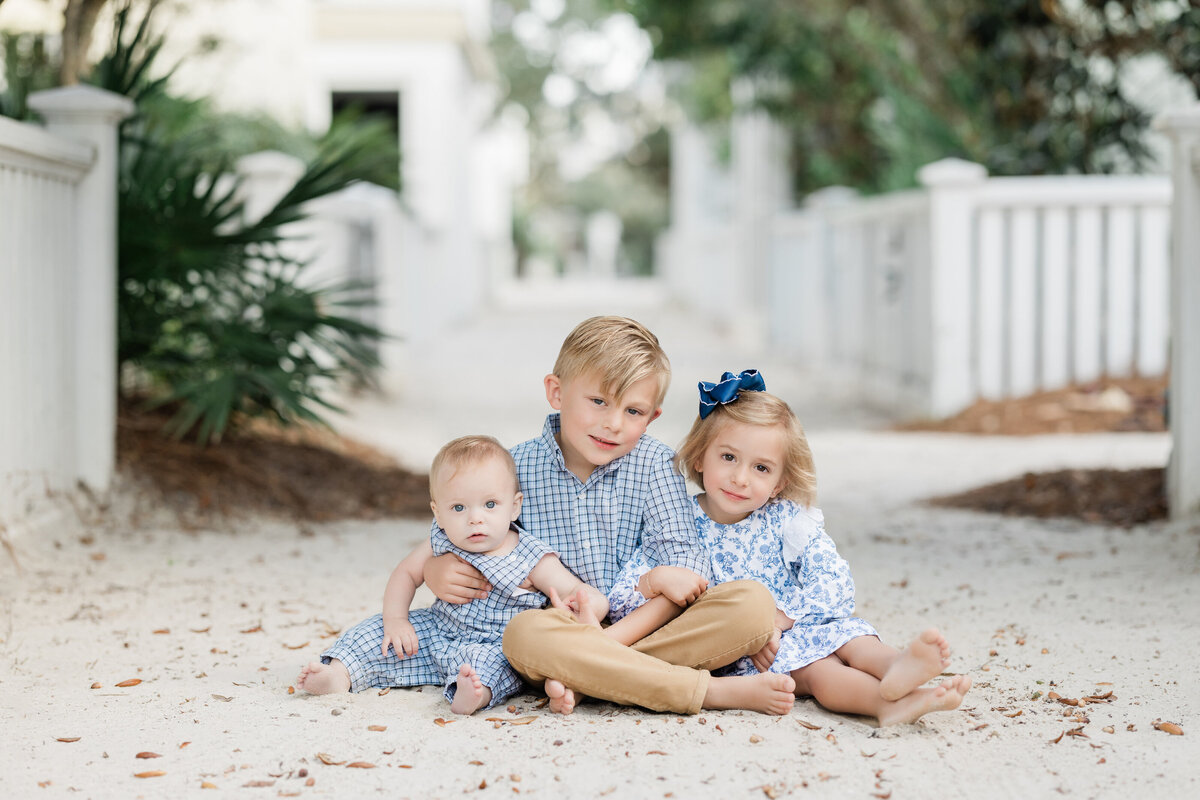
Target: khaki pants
666, 671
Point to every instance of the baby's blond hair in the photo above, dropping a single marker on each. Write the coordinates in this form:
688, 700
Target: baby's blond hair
619, 350
755, 408
468, 450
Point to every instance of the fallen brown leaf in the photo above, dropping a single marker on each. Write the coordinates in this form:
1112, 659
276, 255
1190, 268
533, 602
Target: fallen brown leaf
147, 754
222, 698
476, 763
442, 722
377, 727
522, 720
360, 765
656, 753
831, 738
259, 784
291, 690
201, 630
129, 682
1058, 738
382, 692
1109, 729
207, 785
769, 791
255, 629
325, 758
98, 556
755, 738
154, 773
884, 795
68, 739
1167, 727
1016, 713
296, 646
96, 686
806, 724
1078, 732
161, 631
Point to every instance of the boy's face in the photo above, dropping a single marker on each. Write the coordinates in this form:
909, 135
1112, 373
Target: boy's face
596, 427
475, 503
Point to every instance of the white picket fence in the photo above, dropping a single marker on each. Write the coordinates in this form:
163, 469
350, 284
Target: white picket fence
57, 301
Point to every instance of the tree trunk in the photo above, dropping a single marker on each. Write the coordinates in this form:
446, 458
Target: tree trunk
79, 20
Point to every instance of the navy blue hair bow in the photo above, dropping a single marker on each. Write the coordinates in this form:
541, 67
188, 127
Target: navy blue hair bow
726, 390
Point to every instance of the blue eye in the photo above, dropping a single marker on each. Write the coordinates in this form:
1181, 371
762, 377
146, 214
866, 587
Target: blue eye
491, 504
635, 412
457, 507
598, 401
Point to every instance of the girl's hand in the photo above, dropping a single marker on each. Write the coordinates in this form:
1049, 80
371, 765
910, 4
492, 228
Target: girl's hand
679, 585
782, 621
454, 580
764, 658
402, 637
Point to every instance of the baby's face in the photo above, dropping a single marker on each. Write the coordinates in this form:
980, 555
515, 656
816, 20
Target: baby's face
475, 503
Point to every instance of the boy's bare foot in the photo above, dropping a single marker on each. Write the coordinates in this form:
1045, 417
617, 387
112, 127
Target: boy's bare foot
318, 678
471, 694
944, 697
766, 692
926, 657
562, 699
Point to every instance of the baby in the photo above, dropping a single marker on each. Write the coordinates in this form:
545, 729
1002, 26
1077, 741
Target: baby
476, 500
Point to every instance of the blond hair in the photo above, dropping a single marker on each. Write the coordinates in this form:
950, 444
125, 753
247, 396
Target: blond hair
766, 410
619, 350
469, 450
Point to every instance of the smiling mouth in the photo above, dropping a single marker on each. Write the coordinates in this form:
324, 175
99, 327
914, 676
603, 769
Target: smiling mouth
603, 442
733, 495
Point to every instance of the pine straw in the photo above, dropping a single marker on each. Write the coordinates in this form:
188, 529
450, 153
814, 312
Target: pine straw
302, 473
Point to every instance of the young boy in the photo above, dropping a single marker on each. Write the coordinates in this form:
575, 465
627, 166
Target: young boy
475, 500
595, 489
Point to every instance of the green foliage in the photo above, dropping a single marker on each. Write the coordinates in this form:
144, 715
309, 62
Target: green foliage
212, 308
871, 89
29, 66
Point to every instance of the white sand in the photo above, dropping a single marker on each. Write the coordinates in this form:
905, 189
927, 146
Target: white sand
216, 624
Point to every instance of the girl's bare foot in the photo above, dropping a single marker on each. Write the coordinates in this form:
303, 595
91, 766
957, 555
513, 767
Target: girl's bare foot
945, 697
767, 692
926, 657
318, 678
562, 699
471, 694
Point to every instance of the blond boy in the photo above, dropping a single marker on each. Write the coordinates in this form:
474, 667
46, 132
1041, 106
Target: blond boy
596, 488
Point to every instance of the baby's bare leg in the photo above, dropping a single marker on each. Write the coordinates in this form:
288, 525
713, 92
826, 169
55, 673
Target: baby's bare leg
320, 678
471, 695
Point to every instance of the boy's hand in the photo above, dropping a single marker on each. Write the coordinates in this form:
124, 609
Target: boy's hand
402, 637
679, 585
454, 580
577, 606
764, 658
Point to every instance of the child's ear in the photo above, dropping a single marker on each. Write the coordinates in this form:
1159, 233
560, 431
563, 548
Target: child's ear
517, 500
553, 391
433, 508
657, 413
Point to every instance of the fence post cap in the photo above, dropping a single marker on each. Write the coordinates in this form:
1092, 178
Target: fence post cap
951, 172
830, 196
1179, 120
81, 103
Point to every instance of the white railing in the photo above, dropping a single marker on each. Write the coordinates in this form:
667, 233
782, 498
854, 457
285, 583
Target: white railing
57, 301
1183, 472
970, 287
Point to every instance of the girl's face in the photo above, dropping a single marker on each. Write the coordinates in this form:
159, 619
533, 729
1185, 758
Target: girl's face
741, 470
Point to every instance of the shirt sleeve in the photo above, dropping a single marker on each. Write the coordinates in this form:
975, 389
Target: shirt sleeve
826, 586
668, 526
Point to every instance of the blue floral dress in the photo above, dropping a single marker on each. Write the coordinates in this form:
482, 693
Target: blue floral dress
784, 547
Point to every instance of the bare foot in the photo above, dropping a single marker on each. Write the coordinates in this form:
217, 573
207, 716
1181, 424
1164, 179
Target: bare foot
318, 678
766, 692
926, 657
562, 699
945, 697
471, 695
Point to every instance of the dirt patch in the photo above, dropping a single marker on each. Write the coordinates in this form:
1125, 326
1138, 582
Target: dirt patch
303, 473
1114, 497
1114, 404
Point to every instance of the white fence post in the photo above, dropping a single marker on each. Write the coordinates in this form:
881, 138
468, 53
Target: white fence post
1183, 472
92, 115
951, 183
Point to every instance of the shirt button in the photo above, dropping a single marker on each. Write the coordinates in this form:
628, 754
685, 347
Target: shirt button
587, 545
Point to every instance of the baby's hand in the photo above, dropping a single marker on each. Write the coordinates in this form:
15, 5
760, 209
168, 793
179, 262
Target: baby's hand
679, 585
402, 637
577, 606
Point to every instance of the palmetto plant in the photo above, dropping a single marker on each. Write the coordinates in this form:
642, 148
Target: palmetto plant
212, 313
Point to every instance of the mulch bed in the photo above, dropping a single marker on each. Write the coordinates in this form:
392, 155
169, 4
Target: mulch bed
304, 473
312, 474
1114, 497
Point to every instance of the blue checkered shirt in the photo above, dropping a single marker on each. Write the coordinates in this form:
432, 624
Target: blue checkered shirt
596, 525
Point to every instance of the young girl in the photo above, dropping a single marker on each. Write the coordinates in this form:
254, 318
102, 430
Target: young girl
757, 519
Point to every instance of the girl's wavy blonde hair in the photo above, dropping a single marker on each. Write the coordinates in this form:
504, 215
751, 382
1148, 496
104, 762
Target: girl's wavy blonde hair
755, 408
